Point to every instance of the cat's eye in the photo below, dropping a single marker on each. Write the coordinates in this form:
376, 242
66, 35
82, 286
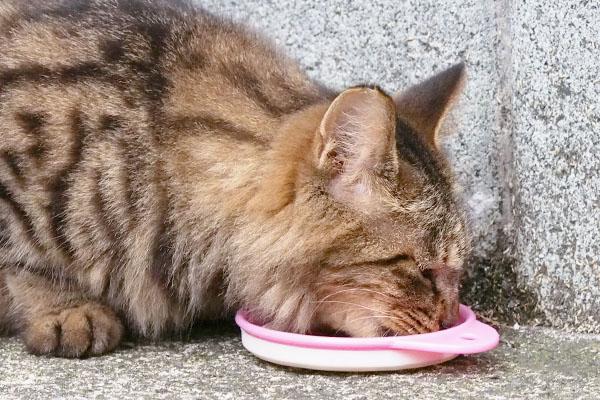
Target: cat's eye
427, 274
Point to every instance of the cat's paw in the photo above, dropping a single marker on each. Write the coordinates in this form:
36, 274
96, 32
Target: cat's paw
86, 330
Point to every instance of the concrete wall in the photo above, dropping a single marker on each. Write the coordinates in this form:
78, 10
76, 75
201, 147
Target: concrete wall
526, 128
555, 82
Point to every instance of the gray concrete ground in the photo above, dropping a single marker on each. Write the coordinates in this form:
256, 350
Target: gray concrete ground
556, 122
529, 363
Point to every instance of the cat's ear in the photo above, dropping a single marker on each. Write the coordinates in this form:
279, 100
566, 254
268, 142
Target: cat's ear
425, 105
356, 138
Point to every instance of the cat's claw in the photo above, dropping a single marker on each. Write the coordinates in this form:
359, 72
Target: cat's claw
86, 330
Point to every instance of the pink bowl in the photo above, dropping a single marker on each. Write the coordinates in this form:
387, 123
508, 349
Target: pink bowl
469, 336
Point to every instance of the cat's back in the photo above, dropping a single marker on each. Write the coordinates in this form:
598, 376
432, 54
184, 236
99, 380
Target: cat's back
94, 94
191, 62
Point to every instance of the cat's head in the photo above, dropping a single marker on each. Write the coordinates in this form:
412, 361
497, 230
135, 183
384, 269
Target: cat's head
388, 236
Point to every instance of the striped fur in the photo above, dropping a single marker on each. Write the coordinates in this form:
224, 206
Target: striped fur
159, 165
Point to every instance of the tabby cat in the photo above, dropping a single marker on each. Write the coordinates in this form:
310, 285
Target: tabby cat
160, 165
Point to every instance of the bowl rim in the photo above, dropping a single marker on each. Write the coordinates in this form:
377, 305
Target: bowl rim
468, 336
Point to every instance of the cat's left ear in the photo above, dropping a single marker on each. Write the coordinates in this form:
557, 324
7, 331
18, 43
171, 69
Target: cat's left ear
425, 105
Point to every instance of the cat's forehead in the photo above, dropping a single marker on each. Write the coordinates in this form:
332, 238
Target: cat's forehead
423, 218
421, 160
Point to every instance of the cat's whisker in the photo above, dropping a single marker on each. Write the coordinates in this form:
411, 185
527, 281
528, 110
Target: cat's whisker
321, 301
324, 300
418, 316
407, 328
358, 309
344, 311
358, 306
383, 317
417, 323
355, 289
377, 292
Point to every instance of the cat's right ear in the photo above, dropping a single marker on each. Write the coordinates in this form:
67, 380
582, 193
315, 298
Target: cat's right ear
356, 140
425, 105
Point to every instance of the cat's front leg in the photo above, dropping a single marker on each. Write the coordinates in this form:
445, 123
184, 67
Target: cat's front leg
55, 319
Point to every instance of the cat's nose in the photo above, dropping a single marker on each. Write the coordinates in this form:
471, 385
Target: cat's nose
448, 321
450, 315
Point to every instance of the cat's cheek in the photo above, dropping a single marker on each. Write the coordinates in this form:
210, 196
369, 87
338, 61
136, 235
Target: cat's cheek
347, 317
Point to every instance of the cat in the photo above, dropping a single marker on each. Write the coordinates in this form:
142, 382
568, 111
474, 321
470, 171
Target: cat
160, 165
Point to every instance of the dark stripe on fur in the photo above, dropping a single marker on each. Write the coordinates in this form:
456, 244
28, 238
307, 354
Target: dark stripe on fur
193, 124
102, 216
154, 85
162, 264
14, 164
151, 82
414, 151
20, 213
112, 50
129, 165
239, 76
156, 32
37, 73
133, 165
60, 185
36, 152
32, 123
110, 122
4, 234
110, 230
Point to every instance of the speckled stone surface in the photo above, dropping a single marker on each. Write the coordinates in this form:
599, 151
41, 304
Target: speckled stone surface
556, 115
531, 363
526, 129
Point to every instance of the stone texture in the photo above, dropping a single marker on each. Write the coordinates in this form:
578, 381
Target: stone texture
556, 114
530, 363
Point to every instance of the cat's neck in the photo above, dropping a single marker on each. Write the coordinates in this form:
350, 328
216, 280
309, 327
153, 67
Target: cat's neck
225, 179
287, 161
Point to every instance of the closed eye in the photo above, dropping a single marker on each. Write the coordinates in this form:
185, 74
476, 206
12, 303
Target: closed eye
427, 274
392, 260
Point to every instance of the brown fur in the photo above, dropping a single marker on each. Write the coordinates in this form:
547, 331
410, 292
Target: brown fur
164, 165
